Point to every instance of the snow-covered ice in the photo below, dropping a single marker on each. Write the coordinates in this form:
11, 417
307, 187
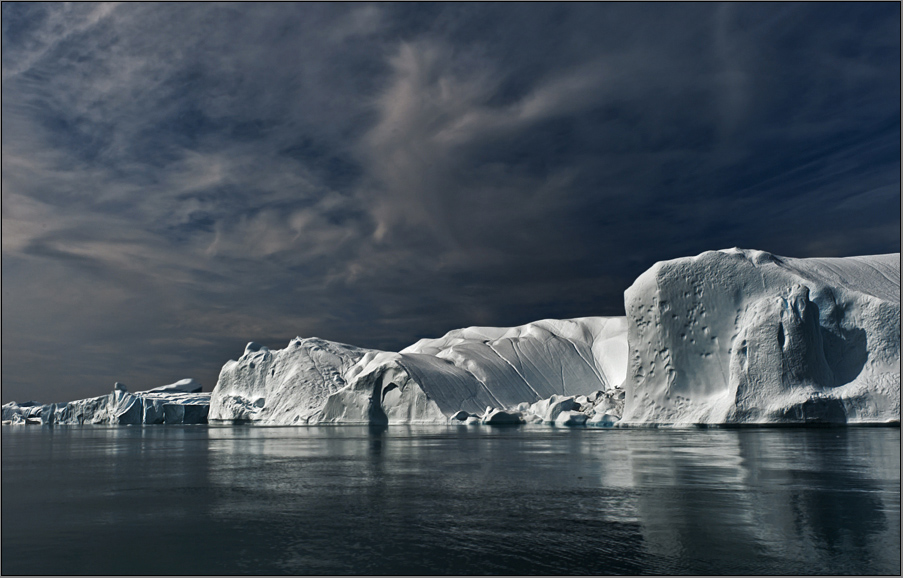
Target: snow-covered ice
740, 336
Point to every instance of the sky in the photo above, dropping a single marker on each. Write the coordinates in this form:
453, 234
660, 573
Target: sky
180, 179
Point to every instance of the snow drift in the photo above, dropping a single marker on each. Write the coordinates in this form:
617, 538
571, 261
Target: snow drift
741, 336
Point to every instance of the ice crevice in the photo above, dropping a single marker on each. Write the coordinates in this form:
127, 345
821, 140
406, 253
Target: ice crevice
591, 366
514, 369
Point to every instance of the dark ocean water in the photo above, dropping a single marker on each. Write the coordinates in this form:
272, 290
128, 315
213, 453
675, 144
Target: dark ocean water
456, 500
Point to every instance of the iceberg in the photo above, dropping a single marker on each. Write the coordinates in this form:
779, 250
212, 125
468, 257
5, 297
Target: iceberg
432, 381
286, 386
727, 337
28, 412
747, 337
182, 402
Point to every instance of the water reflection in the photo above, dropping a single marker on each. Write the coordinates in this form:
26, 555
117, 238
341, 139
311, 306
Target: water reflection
689, 500
461, 500
738, 500
823, 494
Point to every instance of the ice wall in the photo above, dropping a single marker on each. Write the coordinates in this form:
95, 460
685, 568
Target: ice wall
467, 370
741, 336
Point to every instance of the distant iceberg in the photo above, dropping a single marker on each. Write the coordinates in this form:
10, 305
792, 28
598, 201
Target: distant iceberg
182, 402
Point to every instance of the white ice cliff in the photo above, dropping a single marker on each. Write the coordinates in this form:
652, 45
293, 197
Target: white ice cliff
741, 336
285, 386
182, 402
473, 370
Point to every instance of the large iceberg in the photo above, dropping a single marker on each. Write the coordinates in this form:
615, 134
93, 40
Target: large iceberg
727, 337
470, 371
739, 337
182, 402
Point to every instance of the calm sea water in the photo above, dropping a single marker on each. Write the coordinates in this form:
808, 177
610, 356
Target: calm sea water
437, 500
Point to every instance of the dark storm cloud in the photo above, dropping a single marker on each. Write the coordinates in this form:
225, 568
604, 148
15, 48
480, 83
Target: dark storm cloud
179, 179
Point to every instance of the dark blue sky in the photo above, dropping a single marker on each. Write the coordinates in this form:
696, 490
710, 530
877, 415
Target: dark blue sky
179, 179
